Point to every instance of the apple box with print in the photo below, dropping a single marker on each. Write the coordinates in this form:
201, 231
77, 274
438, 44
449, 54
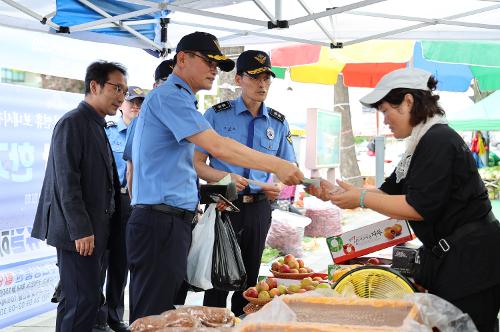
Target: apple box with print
368, 239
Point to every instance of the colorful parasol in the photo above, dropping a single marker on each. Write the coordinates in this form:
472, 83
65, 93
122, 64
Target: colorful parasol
362, 65
314, 64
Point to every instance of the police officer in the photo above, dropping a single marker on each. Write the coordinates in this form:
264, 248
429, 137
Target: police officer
249, 121
164, 191
111, 313
162, 72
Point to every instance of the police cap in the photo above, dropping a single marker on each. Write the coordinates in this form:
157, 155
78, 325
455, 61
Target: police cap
164, 69
253, 63
135, 92
208, 45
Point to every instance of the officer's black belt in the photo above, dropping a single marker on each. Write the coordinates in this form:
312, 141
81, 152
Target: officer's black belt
251, 198
178, 212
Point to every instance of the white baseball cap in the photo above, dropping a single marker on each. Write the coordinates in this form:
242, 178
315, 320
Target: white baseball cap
410, 78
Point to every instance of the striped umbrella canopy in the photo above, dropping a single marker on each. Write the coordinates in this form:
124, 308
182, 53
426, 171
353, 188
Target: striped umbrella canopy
480, 56
362, 65
315, 64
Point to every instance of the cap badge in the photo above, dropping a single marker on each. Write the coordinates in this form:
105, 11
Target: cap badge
138, 91
270, 133
217, 57
261, 58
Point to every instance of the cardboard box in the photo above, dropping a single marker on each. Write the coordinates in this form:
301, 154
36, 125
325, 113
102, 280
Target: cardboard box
369, 238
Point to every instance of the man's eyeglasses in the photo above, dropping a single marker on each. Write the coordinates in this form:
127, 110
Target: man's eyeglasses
119, 88
267, 79
208, 62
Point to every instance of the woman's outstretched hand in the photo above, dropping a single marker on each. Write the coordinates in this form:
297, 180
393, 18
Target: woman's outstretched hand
324, 191
347, 197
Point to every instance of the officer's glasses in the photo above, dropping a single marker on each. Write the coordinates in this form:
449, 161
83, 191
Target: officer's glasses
135, 104
119, 88
211, 64
266, 79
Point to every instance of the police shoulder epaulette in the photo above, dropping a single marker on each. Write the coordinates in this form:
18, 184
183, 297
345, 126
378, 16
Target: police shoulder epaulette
277, 115
110, 124
181, 87
225, 105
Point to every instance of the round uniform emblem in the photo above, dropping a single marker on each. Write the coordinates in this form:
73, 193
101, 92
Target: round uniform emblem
270, 133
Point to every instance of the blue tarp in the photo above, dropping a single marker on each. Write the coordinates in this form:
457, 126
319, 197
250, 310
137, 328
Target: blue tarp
72, 12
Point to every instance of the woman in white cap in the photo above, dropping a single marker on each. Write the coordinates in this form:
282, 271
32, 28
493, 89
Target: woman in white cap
437, 188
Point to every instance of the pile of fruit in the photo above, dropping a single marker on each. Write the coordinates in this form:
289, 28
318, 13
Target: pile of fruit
290, 264
267, 289
307, 284
343, 270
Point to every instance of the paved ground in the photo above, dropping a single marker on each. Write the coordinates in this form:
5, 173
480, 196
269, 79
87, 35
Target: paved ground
317, 259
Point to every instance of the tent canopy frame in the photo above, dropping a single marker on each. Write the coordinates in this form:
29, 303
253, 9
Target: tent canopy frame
126, 21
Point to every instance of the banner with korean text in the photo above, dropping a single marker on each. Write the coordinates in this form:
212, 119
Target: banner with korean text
28, 273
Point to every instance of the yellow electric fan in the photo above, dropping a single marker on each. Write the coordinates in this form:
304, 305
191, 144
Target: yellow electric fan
374, 282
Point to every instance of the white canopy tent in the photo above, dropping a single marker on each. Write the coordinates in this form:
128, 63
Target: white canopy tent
240, 22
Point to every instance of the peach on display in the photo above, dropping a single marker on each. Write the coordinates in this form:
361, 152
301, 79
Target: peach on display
397, 229
389, 233
264, 295
284, 268
252, 292
262, 286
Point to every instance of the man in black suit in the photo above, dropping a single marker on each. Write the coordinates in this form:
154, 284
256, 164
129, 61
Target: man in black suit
80, 195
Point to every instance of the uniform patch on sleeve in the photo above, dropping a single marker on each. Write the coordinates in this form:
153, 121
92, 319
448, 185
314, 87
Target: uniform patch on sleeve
110, 124
225, 105
277, 115
289, 137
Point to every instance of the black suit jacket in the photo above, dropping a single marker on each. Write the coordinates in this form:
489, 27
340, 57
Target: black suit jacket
78, 184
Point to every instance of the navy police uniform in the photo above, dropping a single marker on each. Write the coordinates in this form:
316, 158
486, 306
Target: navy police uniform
162, 72
164, 191
268, 133
159, 229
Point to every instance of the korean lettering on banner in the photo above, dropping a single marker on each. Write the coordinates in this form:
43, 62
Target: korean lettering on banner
19, 166
26, 287
15, 243
26, 125
27, 266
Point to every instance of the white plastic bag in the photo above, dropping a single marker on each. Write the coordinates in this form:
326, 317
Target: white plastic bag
286, 232
199, 262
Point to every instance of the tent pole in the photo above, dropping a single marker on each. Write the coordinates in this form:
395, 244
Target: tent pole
108, 18
417, 26
245, 33
27, 11
217, 15
318, 23
334, 11
266, 12
430, 21
278, 9
141, 3
126, 28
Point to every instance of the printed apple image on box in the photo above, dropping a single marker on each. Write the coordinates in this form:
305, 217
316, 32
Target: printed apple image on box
368, 239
